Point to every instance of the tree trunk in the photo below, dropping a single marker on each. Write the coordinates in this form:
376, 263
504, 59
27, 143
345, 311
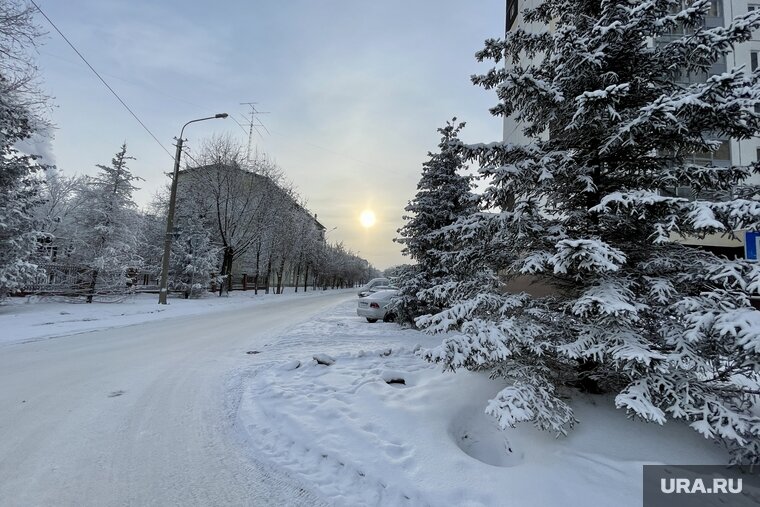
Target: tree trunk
280, 273
298, 277
256, 274
268, 275
306, 277
91, 291
221, 274
226, 270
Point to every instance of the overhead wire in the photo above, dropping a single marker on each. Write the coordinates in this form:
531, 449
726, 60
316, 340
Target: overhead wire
142, 124
123, 103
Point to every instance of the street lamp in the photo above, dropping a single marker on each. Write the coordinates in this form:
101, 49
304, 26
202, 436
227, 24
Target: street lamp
170, 217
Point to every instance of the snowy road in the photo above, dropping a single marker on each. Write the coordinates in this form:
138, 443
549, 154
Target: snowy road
141, 415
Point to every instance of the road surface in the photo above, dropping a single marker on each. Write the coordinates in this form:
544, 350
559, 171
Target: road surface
141, 415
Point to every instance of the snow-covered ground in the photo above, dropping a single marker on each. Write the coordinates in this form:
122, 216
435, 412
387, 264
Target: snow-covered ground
143, 414
33, 318
224, 404
380, 426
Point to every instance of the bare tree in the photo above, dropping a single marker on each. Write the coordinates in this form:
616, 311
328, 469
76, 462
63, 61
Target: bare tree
234, 199
19, 38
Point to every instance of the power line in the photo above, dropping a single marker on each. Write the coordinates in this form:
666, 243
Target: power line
102, 80
210, 111
251, 125
186, 151
152, 89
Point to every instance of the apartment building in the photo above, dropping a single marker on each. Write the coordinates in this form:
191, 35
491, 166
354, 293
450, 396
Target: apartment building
731, 151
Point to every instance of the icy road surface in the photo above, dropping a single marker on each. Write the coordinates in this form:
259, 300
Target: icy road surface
142, 415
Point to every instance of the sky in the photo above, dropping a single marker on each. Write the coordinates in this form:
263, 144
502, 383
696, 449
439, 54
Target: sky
354, 90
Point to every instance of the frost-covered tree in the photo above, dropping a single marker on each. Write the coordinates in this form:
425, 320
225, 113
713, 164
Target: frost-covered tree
20, 101
583, 207
237, 200
62, 198
443, 196
19, 193
193, 259
18, 34
108, 229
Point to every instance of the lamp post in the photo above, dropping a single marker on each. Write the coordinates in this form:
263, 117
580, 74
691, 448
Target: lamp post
170, 217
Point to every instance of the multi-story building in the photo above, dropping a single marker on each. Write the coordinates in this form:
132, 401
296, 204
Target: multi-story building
251, 212
731, 151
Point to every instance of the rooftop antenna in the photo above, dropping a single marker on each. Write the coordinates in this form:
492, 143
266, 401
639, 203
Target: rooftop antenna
253, 124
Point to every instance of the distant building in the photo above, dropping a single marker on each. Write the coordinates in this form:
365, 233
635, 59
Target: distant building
252, 198
266, 185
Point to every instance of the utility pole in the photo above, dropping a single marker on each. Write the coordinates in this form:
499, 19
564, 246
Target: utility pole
253, 123
163, 288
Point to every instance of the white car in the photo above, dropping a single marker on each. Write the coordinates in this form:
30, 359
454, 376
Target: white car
372, 284
375, 306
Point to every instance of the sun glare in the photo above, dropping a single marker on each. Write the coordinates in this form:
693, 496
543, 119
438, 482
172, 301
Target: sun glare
367, 218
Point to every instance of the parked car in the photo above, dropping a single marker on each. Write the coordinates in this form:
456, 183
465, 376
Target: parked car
375, 282
377, 288
375, 306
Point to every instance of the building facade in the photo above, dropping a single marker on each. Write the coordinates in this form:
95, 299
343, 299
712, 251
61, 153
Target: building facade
260, 227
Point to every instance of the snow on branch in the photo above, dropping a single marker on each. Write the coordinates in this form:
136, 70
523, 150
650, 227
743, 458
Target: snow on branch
479, 304
637, 398
634, 202
485, 343
583, 256
610, 298
531, 398
729, 215
702, 218
590, 103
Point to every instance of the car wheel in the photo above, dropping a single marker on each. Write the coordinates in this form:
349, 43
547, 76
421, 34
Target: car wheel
371, 321
389, 317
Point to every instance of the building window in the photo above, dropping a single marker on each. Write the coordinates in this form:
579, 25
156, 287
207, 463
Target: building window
720, 157
716, 9
752, 7
511, 13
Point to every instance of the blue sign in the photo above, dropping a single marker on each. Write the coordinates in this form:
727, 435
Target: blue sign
751, 244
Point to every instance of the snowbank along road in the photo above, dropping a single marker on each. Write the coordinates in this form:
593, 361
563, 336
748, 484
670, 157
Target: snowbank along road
142, 415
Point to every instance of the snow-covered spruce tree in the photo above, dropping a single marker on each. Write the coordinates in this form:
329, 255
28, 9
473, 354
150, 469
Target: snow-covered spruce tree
108, 229
583, 207
443, 196
19, 193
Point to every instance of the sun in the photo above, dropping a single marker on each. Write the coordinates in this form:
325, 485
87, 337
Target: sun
367, 218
